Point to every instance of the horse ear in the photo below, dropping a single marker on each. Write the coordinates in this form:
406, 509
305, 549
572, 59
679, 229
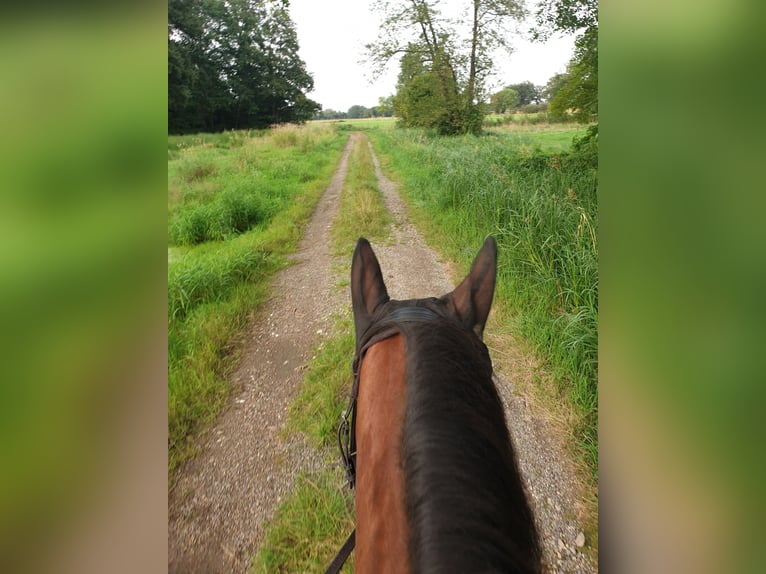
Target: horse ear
472, 299
367, 288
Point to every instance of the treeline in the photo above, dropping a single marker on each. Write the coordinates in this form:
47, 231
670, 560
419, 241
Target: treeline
384, 109
233, 65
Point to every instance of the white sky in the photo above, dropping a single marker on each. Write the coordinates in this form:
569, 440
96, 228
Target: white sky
332, 35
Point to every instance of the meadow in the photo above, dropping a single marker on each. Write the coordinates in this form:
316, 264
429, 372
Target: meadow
237, 202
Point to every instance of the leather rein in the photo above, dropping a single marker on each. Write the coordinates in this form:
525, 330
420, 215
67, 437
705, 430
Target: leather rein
383, 328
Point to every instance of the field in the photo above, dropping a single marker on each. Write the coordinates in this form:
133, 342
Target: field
236, 204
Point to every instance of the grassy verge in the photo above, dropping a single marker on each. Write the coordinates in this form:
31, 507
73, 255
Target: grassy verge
309, 527
542, 209
214, 282
323, 396
313, 522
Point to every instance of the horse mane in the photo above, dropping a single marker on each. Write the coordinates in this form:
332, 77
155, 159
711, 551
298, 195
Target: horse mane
464, 498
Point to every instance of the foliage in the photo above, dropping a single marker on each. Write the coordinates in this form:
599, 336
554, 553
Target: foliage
564, 16
580, 92
234, 65
577, 91
524, 97
213, 286
532, 108
528, 93
384, 109
504, 100
330, 114
357, 111
554, 85
437, 71
421, 102
587, 144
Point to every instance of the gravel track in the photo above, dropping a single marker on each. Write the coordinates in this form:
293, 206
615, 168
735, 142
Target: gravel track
221, 500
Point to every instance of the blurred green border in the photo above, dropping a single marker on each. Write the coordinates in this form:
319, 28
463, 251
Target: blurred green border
82, 255
682, 270
83, 101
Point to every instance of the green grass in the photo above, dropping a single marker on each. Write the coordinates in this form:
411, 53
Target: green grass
518, 118
218, 192
541, 137
309, 527
216, 280
542, 209
362, 212
312, 523
323, 395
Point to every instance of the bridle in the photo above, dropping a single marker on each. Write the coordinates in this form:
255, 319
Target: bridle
385, 326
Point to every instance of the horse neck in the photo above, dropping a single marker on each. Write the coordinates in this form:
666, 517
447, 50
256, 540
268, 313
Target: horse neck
381, 531
465, 503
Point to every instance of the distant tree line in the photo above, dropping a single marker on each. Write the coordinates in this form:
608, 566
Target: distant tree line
234, 64
516, 97
384, 109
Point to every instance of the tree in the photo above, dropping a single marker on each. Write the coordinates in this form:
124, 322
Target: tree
423, 96
421, 103
528, 93
442, 81
554, 85
234, 64
579, 94
385, 107
357, 111
504, 100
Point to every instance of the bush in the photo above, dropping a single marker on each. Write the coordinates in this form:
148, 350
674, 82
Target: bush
228, 215
532, 108
197, 169
210, 276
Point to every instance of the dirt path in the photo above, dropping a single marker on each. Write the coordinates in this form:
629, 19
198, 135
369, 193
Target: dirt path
222, 498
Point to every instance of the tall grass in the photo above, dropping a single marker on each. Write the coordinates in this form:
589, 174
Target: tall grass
542, 208
237, 204
218, 192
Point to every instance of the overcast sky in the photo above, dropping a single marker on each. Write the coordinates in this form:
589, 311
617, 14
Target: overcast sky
332, 35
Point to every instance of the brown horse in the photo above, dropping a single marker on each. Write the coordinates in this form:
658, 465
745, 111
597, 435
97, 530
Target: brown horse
437, 484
